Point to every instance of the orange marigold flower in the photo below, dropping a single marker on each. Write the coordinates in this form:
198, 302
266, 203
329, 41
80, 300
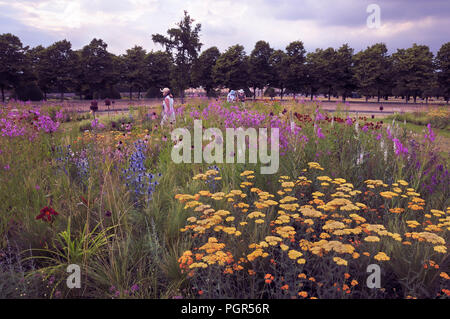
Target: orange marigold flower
285, 287
303, 294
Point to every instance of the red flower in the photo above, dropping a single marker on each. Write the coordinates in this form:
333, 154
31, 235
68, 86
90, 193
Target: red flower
46, 214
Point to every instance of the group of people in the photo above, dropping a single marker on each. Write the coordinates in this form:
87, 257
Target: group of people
168, 111
234, 96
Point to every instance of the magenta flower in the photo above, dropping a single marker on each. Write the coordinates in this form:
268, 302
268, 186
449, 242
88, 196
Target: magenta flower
319, 133
431, 135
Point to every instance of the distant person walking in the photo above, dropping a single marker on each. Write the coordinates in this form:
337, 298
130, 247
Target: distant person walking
231, 97
241, 97
168, 112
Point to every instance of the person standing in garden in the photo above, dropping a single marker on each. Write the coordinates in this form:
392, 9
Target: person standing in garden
241, 97
168, 112
231, 97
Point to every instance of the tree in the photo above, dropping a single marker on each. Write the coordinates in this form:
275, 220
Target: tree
372, 70
59, 61
260, 70
443, 70
325, 64
184, 43
312, 76
97, 67
202, 70
279, 67
134, 73
41, 68
12, 62
344, 81
231, 69
413, 69
296, 61
158, 66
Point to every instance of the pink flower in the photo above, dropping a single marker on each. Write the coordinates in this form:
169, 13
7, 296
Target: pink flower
319, 133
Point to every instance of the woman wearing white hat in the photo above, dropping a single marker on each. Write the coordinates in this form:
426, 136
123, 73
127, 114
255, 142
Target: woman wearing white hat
168, 112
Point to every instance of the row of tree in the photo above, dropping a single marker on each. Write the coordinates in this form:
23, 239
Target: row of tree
93, 72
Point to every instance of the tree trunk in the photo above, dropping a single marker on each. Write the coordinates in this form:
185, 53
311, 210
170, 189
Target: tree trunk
329, 94
3, 94
415, 98
139, 93
131, 92
182, 96
378, 98
254, 93
281, 94
62, 95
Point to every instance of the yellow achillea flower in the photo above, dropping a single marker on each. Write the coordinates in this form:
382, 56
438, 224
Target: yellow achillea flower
402, 182
381, 256
440, 249
284, 247
259, 221
256, 214
287, 184
372, 239
246, 173
340, 261
287, 199
294, 254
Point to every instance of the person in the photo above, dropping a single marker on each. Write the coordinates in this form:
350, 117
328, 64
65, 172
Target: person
168, 112
241, 95
231, 96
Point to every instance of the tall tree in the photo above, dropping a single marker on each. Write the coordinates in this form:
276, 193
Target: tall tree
296, 74
12, 62
280, 66
60, 60
325, 62
372, 70
135, 74
158, 66
313, 79
202, 70
443, 70
260, 70
231, 69
344, 82
97, 66
413, 69
184, 43
41, 68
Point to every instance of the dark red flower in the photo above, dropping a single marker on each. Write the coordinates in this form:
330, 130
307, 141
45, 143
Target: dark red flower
46, 214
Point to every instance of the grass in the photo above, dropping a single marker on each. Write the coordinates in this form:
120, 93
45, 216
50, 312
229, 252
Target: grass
129, 245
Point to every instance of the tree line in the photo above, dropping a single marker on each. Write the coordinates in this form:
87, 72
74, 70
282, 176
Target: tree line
94, 73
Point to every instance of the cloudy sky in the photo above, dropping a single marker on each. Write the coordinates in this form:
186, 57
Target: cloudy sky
125, 23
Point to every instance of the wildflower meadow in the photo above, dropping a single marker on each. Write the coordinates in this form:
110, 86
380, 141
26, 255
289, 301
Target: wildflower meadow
351, 193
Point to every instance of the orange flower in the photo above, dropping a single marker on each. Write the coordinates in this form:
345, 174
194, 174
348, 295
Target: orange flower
285, 287
200, 292
302, 275
303, 294
347, 275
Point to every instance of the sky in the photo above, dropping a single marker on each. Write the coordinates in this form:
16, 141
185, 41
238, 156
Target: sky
123, 24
